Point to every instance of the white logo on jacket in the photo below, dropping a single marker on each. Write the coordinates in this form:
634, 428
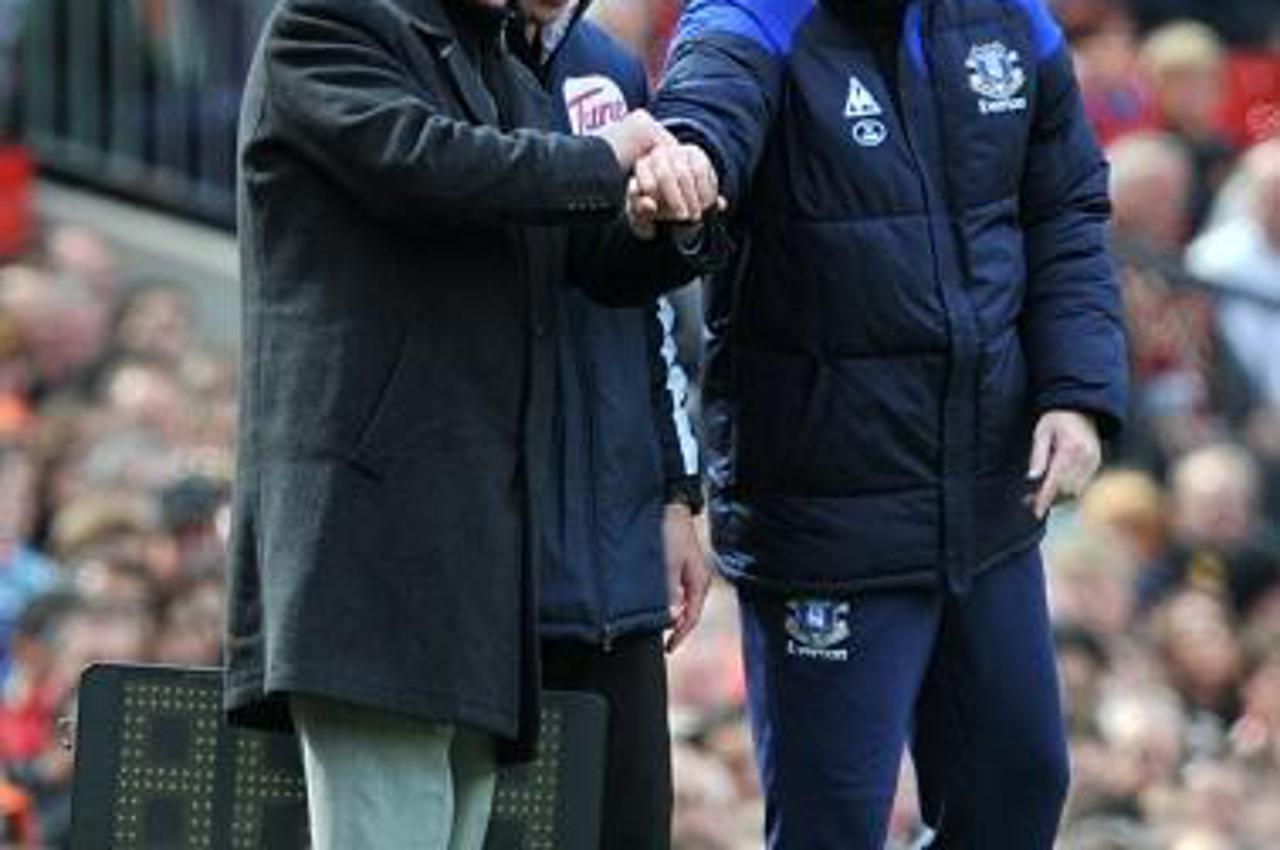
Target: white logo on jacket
862, 105
996, 75
594, 104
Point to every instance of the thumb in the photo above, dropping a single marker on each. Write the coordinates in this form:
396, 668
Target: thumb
1041, 448
675, 588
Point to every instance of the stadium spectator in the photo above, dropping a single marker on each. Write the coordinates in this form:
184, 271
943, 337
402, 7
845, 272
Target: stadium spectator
1187, 387
1143, 730
24, 572
155, 322
81, 254
36, 692
1214, 807
1104, 44
1215, 498
1091, 584
1083, 664
1241, 257
63, 325
1244, 23
1129, 505
1150, 186
189, 632
704, 793
1204, 662
1222, 543
1185, 63
1256, 735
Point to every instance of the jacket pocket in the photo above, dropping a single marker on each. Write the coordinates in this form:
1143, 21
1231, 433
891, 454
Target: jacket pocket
377, 441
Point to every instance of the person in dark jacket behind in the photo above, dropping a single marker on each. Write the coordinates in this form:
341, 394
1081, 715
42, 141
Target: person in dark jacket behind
913, 361
405, 214
625, 480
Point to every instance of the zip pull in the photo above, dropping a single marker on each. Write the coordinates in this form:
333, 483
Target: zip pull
607, 643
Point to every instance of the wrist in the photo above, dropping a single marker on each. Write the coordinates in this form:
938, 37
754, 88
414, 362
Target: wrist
685, 494
1086, 416
689, 239
677, 510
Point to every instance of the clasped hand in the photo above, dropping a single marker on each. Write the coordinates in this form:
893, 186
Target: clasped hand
670, 181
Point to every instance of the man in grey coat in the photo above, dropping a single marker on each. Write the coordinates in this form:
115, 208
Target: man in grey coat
403, 216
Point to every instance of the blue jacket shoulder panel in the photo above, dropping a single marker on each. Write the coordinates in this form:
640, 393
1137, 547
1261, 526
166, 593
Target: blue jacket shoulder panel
768, 23
1046, 35
723, 81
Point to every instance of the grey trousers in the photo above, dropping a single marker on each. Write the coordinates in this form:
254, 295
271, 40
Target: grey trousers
377, 779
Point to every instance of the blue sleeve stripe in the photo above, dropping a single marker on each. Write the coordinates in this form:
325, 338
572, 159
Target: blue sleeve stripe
678, 388
768, 23
1046, 35
913, 27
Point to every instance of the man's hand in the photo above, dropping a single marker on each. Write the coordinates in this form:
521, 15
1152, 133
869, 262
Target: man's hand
1065, 455
688, 576
676, 184
635, 137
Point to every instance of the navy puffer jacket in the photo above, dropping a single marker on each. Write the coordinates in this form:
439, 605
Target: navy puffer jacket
924, 271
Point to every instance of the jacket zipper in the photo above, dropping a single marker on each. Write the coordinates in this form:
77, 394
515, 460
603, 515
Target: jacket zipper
911, 107
586, 375
965, 352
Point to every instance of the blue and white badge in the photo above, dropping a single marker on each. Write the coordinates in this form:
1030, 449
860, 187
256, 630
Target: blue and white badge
817, 627
861, 107
996, 75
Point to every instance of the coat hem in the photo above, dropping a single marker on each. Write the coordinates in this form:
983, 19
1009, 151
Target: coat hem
256, 700
657, 620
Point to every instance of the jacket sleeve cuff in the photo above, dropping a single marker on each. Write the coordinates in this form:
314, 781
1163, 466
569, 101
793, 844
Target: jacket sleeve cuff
706, 248
687, 491
596, 188
692, 132
1109, 419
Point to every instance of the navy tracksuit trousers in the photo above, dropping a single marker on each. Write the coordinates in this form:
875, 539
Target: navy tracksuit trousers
839, 687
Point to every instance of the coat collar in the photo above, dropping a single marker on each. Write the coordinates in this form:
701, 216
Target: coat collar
429, 18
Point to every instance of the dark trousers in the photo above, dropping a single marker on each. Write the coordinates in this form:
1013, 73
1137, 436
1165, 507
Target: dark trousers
839, 687
632, 677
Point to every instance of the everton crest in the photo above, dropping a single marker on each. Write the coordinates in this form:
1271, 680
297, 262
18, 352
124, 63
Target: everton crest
817, 627
997, 76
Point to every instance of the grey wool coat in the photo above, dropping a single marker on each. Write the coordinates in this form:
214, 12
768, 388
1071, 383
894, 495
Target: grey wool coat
398, 252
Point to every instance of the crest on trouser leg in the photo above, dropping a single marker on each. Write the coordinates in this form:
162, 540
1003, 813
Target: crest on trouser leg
817, 628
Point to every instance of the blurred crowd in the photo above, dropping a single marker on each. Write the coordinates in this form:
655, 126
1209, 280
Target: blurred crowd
116, 427
116, 430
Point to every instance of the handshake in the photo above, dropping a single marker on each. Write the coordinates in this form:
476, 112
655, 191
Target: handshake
670, 182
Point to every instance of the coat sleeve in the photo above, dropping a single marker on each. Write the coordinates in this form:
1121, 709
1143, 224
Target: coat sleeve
617, 269
723, 80
1072, 320
349, 106
670, 393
